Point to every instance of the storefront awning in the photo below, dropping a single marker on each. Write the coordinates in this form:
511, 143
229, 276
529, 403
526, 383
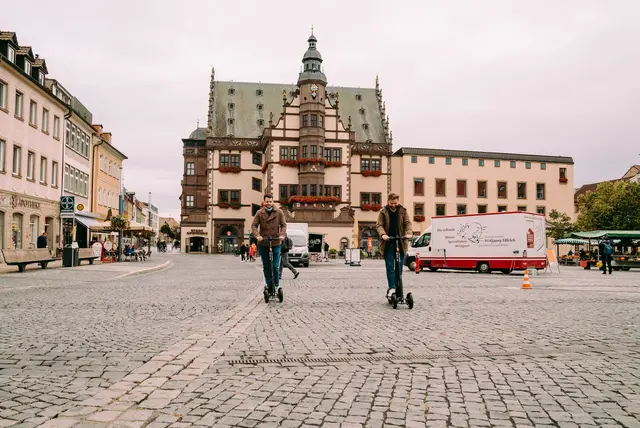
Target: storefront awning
88, 222
620, 234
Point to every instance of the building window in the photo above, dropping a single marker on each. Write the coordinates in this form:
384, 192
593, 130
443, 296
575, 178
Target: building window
314, 120
17, 161
313, 190
3, 95
540, 191
284, 153
441, 187
305, 121
18, 106
365, 164
432, 160
54, 174
45, 120
502, 208
304, 190
27, 67
512, 164
465, 162
480, 162
293, 189
235, 196
563, 174
11, 54
314, 151
257, 158
16, 229
284, 191
293, 152
3, 151
337, 192
259, 92
441, 209
191, 168
337, 155
522, 190
543, 166
191, 199
418, 186
41, 78
223, 196
304, 151
462, 209
370, 199
482, 189
43, 170
462, 188
327, 154
33, 113
522, 208
321, 121
224, 160
31, 165
418, 209
527, 165
448, 161
414, 159
541, 210
502, 189
256, 184
482, 209
496, 163
231, 91
375, 165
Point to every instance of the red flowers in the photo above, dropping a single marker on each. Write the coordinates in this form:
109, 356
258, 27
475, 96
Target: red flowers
314, 199
418, 218
370, 207
284, 162
369, 173
230, 169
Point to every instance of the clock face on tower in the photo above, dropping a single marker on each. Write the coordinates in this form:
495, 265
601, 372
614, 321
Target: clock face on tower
314, 90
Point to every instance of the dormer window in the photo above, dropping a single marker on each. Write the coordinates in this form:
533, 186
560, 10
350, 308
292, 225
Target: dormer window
12, 54
362, 110
260, 122
260, 107
232, 91
358, 97
27, 67
259, 92
41, 78
232, 106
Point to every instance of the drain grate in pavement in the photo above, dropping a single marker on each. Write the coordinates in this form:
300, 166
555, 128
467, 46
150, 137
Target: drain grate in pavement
417, 357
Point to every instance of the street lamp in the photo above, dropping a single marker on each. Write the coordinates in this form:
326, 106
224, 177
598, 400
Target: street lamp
120, 212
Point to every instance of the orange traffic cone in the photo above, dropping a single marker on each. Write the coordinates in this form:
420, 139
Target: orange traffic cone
526, 285
417, 263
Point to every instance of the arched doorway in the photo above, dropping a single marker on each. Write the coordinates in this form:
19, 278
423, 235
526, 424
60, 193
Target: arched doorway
228, 239
196, 244
369, 236
344, 243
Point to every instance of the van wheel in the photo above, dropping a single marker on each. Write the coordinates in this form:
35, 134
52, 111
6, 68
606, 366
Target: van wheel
409, 262
306, 265
483, 267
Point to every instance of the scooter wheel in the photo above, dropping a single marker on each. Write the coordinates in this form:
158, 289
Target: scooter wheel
265, 293
394, 301
410, 300
280, 295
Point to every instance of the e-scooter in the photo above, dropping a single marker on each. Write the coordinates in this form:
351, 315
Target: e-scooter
398, 296
270, 291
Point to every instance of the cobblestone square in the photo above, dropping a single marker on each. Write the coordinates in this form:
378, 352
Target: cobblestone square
195, 345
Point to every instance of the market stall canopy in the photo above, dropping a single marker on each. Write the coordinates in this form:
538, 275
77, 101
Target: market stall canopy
571, 241
619, 234
133, 226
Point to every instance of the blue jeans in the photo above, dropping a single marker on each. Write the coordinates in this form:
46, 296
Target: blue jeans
389, 261
264, 253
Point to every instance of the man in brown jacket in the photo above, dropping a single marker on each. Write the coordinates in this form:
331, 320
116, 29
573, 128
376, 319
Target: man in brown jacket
268, 223
393, 220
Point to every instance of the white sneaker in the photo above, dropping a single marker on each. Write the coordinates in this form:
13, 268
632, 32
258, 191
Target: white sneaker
390, 292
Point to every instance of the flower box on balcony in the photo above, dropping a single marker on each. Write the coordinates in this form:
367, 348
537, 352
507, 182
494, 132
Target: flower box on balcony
224, 205
564, 180
369, 173
230, 169
314, 199
333, 164
314, 161
235, 205
418, 218
285, 162
370, 207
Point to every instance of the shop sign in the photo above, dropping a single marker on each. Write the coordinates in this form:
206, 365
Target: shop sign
14, 202
197, 232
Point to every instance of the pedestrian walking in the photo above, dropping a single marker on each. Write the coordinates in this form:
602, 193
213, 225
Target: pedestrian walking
606, 255
287, 244
42, 240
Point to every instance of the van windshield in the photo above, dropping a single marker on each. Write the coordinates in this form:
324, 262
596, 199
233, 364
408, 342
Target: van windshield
298, 241
423, 241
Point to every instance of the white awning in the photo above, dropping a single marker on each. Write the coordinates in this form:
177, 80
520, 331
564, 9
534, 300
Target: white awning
89, 222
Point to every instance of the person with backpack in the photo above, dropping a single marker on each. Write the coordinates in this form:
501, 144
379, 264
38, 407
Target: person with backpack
287, 245
606, 255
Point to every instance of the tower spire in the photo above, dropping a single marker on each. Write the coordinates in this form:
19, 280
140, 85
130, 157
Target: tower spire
312, 63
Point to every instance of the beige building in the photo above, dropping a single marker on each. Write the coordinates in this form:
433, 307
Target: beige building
106, 174
325, 154
435, 182
31, 134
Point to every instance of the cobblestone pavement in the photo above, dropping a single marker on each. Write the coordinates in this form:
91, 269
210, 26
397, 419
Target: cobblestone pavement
197, 346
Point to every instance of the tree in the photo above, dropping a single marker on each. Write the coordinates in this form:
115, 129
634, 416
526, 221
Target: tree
613, 206
559, 224
119, 222
166, 229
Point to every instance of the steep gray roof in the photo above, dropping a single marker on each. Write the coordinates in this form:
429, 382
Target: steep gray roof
199, 134
482, 155
245, 112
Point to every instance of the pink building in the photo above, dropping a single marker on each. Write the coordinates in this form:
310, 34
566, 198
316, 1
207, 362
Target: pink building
30, 148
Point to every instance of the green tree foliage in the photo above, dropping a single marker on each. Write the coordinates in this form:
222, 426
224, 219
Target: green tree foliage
559, 224
613, 206
166, 229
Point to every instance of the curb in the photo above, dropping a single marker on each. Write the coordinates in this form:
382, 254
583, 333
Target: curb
165, 265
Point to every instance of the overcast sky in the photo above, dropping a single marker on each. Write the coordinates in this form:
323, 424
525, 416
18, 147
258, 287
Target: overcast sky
538, 76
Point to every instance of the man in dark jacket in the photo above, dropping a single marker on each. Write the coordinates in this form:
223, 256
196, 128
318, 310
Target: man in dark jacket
606, 252
42, 240
393, 220
287, 244
269, 222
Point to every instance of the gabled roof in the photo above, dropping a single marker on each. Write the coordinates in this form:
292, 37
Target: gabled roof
246, 114
26, 51
9, 35
482, 155
632, 172
40, 62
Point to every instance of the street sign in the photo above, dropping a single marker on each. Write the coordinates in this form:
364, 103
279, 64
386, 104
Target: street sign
67, 204
80, 207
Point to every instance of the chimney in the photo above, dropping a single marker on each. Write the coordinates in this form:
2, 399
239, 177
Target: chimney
107, 137
98, 129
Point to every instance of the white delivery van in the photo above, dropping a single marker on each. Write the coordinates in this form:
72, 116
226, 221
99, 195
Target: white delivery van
299, 234
416, 245
484, 242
